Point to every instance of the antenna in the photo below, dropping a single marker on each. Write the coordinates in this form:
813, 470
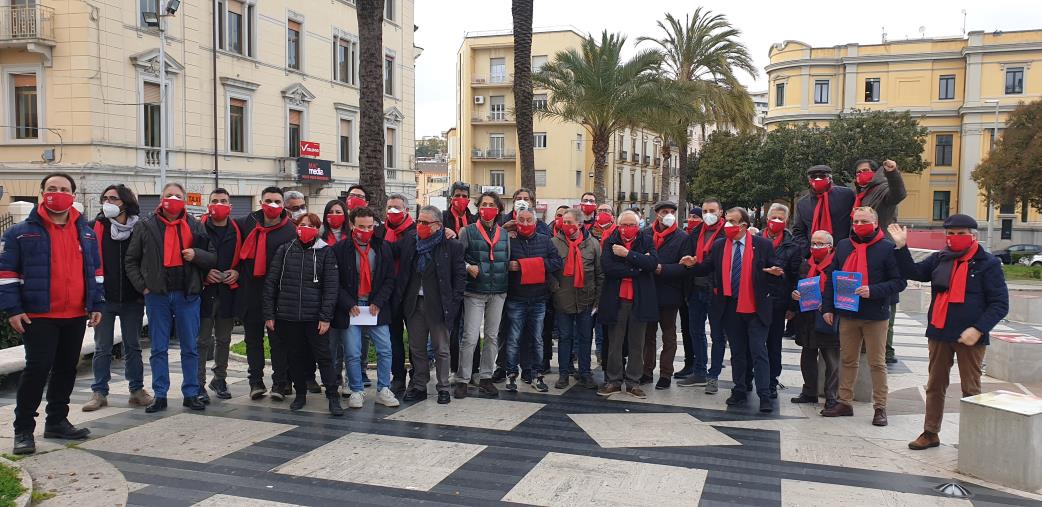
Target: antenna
964, 22
922, 32
884, 35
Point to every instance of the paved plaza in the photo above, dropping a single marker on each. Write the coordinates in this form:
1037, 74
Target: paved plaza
569, 448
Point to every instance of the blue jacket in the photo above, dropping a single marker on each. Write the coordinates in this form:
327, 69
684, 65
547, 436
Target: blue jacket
541, 227
669, 285
538, 245
763, 257
885, 281
640, 265
987, 299
25, 267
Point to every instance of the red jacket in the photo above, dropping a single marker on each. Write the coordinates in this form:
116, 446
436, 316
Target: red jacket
68, 289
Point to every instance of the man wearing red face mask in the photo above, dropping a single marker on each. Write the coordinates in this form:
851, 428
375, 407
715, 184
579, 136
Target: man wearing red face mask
459, 215
575, 299
588, 205
826, 208
668, 241
789, 256
868, 253
399, 229
219, 294
168, 259
264, 231
968, 299
50, 282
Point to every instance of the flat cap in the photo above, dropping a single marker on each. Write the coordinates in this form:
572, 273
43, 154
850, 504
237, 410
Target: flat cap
819, 169
959, 220
665, 204
695, 211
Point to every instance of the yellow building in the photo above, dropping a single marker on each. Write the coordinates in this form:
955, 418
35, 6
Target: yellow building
81, 85
953, 85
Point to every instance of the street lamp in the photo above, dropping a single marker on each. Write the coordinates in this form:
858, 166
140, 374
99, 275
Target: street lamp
155, 20
994, 139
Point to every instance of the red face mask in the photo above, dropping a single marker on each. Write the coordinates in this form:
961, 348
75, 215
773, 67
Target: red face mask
335, 221
864, 230
559, 222
395, 218
693, 222
588, 208
775, 226
354, 203
488, 214
306, 234
864, 177
219, 211
460, 203
732, 231
58, 202
424, 231
272, 210
361, 236
569, 230
959, 242
526, 230
604, 220
820, 185
819, 253
628, 232
173, 206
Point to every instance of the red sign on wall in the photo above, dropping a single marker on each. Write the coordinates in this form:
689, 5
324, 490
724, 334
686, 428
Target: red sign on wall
309, 149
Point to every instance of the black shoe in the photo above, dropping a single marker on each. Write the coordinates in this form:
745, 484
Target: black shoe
277, 392
334, 405
257, 391
65, 430
397, 386
24, 443
773, 392
299, 401
487, 388
499, 375
736, 399
891, 360
203, 397
511, 382
803, 398
646, 379
313, 387
539, 385
663, 383
415, 395
194, 403
157, 405
220, 388
765, 405
686, 372
444, 398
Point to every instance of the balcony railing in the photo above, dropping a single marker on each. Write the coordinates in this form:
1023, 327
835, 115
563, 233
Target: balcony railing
22, 23
492, 118
647, 159
635, 158
633, 196
622, 155
654, 197
622, 196
493, 80
492, 154
643, 197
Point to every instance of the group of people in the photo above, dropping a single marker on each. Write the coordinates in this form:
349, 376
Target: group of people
481, 295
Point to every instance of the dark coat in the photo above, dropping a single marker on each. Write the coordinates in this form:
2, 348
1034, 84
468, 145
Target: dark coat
987, 298
145, 257
383, 281
251, 288
538, 246
763, 257
883, 194
222, 294
841, 202
809, 325
885, 281
301, 285
118, 288
448, 220
541, 227
669, 285
640, 265
451, 271
789, 255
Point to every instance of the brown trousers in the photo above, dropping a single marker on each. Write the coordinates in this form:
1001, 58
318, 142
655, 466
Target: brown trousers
941, 354
667, 319
852, 334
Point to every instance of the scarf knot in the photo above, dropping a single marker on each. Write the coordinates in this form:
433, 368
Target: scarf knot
858, 259
703, 244
660, 237
176, 237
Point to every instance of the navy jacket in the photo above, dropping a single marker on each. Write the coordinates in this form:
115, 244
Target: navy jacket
25, 267
383, 281
640, 265
251, 288
987, 299
222, 295
789, 256
451, 271
841, 202
763, 257
669, 285
884, 281
541, 227
539, 246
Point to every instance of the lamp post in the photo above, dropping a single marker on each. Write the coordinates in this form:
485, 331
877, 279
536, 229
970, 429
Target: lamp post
158, 20
994, 139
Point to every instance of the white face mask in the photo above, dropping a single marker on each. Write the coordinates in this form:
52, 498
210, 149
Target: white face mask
669, 220
710, 219
110, 210
299, 213
520, 205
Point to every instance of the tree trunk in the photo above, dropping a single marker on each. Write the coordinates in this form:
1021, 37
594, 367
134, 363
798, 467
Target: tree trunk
371, 102
600, 164
682, 176
522, 12
664, 180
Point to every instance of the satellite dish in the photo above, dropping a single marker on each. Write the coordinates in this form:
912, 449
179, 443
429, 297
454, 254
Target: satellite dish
922, 31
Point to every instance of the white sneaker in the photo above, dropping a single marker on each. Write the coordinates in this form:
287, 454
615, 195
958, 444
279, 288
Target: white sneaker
356, 400
386, 398
343, 391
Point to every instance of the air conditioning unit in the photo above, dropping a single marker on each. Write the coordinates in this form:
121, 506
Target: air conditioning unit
479, 99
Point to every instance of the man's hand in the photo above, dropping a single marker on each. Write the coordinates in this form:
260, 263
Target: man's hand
688, 261
473, 270
510, 226
355, 311
789, 315
188, 254
514, 266
899, 234
95, 319
270, 324
970, 336
863, 292
18, 322
658, 269
146, 292
374, 310
620, 250
214, 277
449, 233
795, 295
889, 166
827, 317
323, 327
774, 270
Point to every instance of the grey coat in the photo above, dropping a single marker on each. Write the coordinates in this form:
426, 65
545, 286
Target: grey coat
883, 194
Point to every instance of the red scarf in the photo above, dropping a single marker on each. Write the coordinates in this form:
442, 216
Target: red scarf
491, 242
746, 300
777, 240
702, 246
393, 234
606, 233
956, 292
573, 265
238, 244
626, 284
99, 231
256, 247
822, 217
660, 237
365, 281
461, 221
819, 269
857, 201
858, 259
330, 238
177, 237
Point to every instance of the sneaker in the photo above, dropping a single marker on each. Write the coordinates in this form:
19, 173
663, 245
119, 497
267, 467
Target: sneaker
539, 385
257, 391
386, 398
460, 391
636, 392
277, 393
663, 383
220, 388
356, 400
586, 381
140, 398
96, 401
511, 383
499, 376
487, 388
562, 382
692, 381
313, 387
711, 386
608, 389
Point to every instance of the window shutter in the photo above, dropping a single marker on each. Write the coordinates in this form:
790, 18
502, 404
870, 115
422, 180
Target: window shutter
293, 25
239, 103
22, 80
151, 93
345, 128
235, 6
294, 117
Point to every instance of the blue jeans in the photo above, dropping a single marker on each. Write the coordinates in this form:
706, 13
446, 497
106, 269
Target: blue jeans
574, 333
598, 332
130, 319
163, 311
525, 334
381, 336
698, 305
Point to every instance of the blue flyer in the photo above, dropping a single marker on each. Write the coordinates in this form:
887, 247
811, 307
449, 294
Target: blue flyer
810, 293
844, 283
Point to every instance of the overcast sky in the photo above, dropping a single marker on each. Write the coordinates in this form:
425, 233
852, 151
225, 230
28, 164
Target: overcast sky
443, 24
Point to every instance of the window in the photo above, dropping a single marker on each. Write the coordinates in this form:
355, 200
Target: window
26, 107
1007, 208
779, 95
943, 153
540, 177
537, 63
872, 89
294, 132
1007, 229
235, 26
146, 6
390, 148
497, 108
151, 113
578, 142
946, 88
539, 140
821, 91
389, 10
539, 102
578, 178
219, 22
346, 128
293, 45
388, 75
496, 145
497, 70
497, 179
941, 205
237, 125
345, 60
1014, 80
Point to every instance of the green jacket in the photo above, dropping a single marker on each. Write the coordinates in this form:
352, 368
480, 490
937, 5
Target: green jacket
492, 278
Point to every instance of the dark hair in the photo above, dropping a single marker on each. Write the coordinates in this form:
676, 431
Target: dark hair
130, 204
586, 194
459, 185
272, 190
220, 190
359, 187
561, 207
712, 200
325, 212
743, 212
311, 218
72, 182
522, 189
871, 163
362, 212
495, 198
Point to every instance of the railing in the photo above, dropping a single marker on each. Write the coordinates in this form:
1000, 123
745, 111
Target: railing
492, 154
635, 158
6, 221
643, 197
492, 118
152, 157
622, 155
633, 196
622, 196
495, 79
647, 159
36, 22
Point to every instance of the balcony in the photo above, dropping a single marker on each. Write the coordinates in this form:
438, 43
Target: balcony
622, 155
633, 196
635, 158
643, 197
647, 160
492, 81
492, 119
622, 196
654, 197
30, 28
492, 154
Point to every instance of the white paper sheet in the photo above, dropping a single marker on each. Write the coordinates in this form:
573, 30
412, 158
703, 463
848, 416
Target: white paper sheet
364, 318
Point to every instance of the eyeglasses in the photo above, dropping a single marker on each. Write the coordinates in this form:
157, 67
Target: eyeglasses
360, 196
297, 208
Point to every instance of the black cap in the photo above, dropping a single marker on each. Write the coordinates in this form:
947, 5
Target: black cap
959, 220
819, 169
695, 211
665, 204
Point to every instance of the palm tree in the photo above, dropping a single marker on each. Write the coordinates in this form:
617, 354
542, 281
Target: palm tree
702, 56
594, 87
371, 100
522, 13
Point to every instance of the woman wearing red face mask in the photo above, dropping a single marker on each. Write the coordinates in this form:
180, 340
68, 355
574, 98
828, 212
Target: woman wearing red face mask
334, 222
458, 215
300, 295
812, 333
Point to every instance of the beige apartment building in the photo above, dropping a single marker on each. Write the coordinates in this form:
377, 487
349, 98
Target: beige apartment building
81, 87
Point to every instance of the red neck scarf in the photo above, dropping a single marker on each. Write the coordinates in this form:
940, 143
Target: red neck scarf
99, 231
858, 259
573, 265
256, 246
857, 201
660, 237
330, 238
626, 284
703, 245
818, 269
177, 237
365, 281
776, 240
395, 233
956, 292
461, 220
746, 300
822, 217
491, 241
606, 233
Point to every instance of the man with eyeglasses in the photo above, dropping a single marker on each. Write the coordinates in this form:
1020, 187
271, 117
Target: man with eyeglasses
588, 206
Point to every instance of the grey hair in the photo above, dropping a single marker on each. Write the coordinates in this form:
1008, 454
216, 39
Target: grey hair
526, 210
293, 194
626, 213
779, 206
827, 234
868, 209
400, 197
576, 214
433, 211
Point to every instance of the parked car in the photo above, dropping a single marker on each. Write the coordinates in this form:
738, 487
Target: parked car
1034, 260
1014, 253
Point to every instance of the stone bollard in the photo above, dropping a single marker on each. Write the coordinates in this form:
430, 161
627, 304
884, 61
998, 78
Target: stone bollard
1015, 358
1000, 439
862, 385
19, 210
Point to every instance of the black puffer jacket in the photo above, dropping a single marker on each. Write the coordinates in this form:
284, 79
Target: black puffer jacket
302, 284
118, 288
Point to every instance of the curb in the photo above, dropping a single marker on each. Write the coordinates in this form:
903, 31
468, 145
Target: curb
25, 498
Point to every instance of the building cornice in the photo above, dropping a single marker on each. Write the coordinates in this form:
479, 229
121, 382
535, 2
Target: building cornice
999, 48
907, 57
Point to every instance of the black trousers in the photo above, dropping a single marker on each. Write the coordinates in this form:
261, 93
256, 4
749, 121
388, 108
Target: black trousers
456, 333
52, 349
307, 348
397, 328
747, 336
548, 336
685, 331
253, 326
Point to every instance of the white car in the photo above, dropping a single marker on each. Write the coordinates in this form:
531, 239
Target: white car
1034, 260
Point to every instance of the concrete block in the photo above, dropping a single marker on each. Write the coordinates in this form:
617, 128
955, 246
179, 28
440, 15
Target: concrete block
1024, 307
1015, 358
862, 386
1000, 439
915, 300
